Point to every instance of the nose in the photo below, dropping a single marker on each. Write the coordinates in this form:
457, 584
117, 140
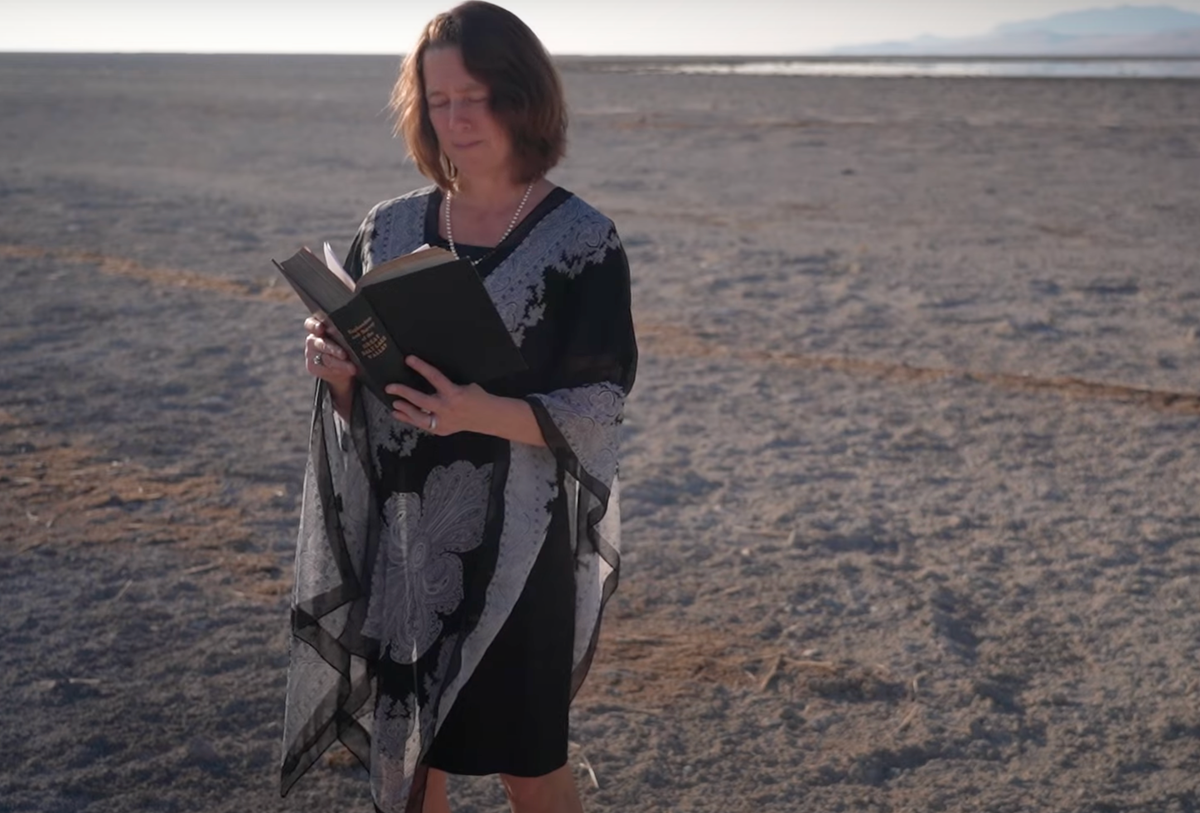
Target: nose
458, 113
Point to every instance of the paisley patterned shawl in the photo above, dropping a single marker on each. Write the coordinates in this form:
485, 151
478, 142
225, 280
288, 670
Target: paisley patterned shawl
412, 550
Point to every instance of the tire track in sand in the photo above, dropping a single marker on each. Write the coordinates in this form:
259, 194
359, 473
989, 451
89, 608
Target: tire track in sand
674, 340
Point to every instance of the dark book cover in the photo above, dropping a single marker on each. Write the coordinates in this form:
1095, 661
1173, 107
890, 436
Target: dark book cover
428, 304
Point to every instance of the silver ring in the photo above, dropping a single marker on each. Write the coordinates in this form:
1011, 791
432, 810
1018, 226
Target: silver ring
318, 360
432, 422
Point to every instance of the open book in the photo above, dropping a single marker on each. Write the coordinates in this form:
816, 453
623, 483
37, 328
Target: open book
428, 304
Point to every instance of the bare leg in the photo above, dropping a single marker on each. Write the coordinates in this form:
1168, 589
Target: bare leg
553, 793
436, 800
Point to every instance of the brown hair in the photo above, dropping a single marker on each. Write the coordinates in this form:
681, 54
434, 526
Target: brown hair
525, 93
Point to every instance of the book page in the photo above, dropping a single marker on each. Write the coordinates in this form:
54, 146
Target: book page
331, 261
419, 260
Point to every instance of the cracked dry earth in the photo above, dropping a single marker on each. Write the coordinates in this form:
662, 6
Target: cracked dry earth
910, 472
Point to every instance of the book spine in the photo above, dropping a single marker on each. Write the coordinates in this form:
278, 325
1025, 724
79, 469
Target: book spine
379, 360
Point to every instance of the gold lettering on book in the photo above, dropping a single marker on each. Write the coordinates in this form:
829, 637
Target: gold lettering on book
371, 343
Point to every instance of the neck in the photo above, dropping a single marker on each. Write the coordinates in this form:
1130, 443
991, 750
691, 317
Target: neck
489, 190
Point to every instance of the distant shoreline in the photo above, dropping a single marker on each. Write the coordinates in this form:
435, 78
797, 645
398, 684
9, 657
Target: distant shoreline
1185, 68
665, 59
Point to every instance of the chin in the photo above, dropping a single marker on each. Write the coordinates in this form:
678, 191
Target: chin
474, 166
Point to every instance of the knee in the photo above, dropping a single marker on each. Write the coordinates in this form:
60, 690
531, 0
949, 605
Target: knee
525, 792
552, 793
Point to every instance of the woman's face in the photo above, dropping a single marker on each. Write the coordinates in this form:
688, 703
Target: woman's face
470, 136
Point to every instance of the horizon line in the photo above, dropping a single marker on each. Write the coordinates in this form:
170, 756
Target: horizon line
669, 57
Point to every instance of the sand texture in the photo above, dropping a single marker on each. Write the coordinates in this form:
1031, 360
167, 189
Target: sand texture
911, 471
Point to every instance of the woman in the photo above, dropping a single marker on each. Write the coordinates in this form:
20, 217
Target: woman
456, 548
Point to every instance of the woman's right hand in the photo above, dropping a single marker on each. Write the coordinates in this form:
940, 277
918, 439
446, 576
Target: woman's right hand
325, 358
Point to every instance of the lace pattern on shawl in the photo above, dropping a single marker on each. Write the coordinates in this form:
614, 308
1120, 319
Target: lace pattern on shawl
562, 243
418, 576
394, 227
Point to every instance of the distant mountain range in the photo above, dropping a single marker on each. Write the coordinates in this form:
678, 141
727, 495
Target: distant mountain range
1143, 31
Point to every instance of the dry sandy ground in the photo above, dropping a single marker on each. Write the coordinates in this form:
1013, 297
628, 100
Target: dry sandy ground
911, 468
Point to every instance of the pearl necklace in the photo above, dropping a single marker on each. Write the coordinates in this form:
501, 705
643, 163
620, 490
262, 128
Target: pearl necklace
512, 224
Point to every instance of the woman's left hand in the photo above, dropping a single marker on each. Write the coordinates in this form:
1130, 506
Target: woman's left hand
451, 408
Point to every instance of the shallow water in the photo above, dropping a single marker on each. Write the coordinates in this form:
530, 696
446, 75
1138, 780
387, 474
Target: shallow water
1014, 68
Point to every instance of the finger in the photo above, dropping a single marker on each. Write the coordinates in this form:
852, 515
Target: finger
416, 397
409, 414
331, 366
329, 348
314, 326
314, 344
337, 367
431, 374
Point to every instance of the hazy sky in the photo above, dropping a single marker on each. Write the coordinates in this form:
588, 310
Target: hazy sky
566, 26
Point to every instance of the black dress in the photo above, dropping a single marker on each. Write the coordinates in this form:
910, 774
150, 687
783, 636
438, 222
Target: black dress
460, 579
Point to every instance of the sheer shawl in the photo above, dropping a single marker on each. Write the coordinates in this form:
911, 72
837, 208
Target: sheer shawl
390, 518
